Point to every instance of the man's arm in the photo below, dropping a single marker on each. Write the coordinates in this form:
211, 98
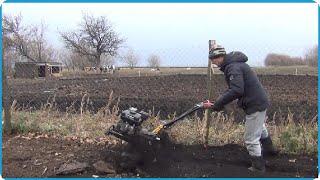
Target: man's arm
236, 87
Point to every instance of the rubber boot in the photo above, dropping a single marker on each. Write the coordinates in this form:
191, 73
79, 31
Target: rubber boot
267, 147
257, 164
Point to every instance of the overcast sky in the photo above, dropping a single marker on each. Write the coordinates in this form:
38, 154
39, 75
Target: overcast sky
179, 33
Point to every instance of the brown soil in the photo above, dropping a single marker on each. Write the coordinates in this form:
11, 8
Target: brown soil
167, 94
40, 156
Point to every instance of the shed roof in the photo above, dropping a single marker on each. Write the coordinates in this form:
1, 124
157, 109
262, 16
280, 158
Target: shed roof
42, 63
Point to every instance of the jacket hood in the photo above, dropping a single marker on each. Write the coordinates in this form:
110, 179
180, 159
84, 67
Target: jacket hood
234, 56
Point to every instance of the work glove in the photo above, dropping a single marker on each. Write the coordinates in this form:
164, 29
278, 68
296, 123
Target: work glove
207, 104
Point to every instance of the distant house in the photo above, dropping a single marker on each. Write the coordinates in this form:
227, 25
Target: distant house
37, 69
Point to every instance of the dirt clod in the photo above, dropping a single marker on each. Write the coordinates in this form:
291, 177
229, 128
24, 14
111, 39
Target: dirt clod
104, 167
71, 168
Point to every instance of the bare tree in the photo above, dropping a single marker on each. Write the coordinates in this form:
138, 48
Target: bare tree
63, 57
107, 60
39, 47
274, 59
130, 58
7, 30
72, 60
78, 61
154, 61
93, 38
311, 56
27, 40
7, 43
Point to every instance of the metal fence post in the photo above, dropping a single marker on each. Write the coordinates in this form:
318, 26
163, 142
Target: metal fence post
209, 88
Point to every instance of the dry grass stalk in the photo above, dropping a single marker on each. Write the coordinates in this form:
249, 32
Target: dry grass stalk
288, 136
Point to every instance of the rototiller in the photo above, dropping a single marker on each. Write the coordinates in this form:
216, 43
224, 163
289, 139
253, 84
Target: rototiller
129, 126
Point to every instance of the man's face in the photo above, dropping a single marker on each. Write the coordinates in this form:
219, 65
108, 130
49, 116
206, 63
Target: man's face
217, 61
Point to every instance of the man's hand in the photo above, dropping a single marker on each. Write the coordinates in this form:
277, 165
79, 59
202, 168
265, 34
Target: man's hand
207, 104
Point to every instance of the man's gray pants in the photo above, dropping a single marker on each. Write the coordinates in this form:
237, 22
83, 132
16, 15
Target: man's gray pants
254, 130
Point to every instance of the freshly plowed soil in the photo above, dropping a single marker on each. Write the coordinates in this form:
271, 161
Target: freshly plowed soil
42, 156
167, 94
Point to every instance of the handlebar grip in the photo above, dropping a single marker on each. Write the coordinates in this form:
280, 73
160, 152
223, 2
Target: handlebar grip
158, 129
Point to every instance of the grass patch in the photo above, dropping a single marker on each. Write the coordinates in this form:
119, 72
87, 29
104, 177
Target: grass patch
289, 136
49, 120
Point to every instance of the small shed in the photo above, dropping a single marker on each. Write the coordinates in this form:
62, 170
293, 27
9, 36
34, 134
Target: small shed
37, 69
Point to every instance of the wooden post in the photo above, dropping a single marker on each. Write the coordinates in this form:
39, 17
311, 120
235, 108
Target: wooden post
6, 98
206, 124
47, 71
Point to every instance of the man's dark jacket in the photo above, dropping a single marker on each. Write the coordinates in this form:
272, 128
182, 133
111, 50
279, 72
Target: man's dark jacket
243, 84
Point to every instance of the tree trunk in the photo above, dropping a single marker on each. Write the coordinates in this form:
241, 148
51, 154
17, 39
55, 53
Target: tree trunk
97, 60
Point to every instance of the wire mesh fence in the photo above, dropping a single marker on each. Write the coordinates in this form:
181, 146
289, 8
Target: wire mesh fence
176, 82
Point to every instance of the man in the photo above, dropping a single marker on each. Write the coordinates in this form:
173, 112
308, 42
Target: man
245, 86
